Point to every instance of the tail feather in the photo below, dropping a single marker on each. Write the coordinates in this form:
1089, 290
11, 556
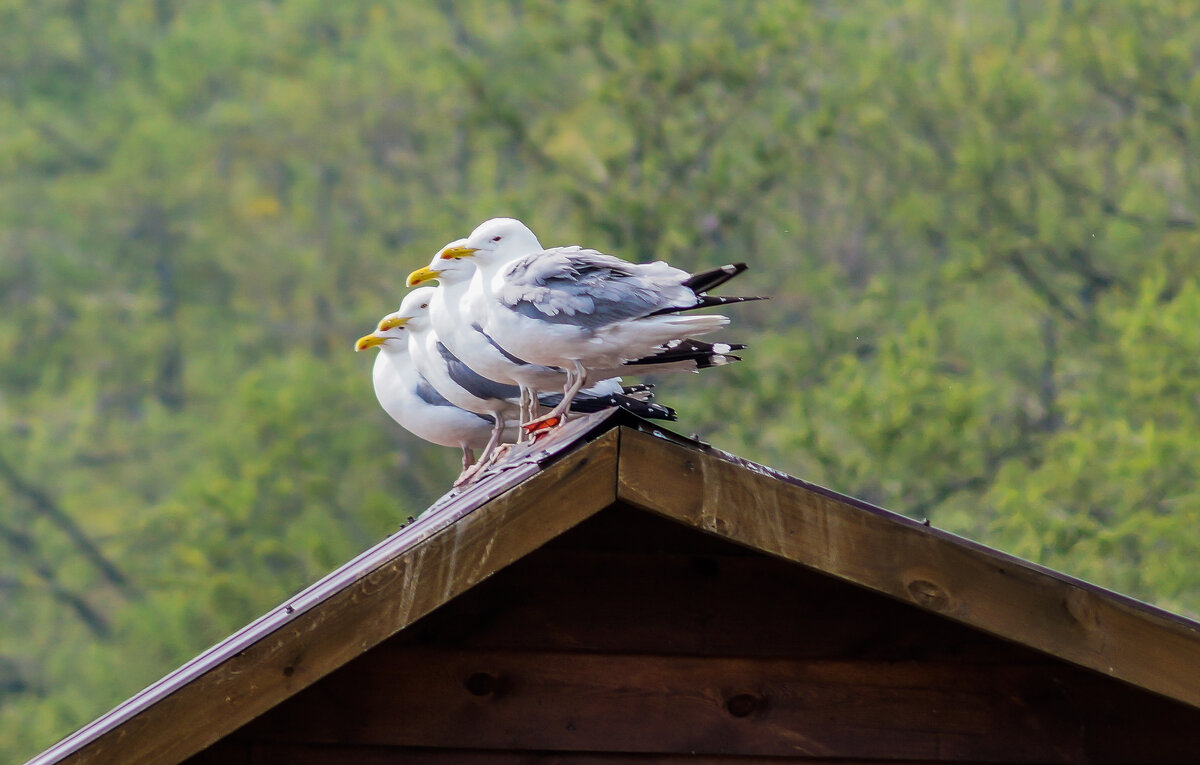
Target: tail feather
639, 391
707, 301
647, 409
717, 360
687, 364
697, 324
630, 390
686, 349
710, 280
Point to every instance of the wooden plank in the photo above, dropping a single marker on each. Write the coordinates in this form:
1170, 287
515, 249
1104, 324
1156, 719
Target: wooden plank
308, 754
925, 567
364, 612
625, 529
430, 697
224, 753
744, 605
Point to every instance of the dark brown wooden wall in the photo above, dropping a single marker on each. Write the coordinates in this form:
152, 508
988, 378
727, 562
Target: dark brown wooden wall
631, 639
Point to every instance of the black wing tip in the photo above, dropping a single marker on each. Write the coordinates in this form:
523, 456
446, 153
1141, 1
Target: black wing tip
717, 360
661, 412
644, 408
743, 299
730, 270
706, 301
687, 349
708, 280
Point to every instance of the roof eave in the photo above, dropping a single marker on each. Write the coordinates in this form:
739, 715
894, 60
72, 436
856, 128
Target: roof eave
550, 486
934, 570
408, 575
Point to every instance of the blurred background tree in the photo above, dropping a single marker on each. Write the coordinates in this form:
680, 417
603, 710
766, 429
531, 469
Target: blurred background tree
978, 221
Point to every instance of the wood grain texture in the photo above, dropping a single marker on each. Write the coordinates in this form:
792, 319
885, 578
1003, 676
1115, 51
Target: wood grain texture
901, 711
717, 605
304, 754
364, 613
644, 607
930, 569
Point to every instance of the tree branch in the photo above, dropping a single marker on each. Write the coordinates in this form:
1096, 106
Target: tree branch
45, 506
23, 544
1039, 285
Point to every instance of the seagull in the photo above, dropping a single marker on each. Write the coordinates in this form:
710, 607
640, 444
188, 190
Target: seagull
411, 401
466, 389
455, 310
576, 308
450, 313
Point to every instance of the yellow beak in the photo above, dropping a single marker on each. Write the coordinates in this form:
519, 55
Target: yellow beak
450, 253
422, 275
391, 323
369, 341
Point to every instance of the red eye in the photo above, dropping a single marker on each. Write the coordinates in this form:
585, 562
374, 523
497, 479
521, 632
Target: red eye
495, 239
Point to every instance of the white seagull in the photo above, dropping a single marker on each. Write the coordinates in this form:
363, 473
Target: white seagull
456, 310
575, 308
466, 389
411, 401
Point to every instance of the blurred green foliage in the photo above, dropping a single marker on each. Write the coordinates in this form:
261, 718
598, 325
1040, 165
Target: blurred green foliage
978, 221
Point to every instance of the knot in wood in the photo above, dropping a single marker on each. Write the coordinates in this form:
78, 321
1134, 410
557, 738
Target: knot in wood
928, 594
715, 524
743, 704
481, 684
1082, 609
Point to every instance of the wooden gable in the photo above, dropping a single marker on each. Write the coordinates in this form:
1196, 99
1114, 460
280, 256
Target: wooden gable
631, 638
641, 598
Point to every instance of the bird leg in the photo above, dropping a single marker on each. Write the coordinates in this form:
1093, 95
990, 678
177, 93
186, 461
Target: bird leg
526, 395
497, 454
485, 458
530, 408
468, 459
558, 415
535, 404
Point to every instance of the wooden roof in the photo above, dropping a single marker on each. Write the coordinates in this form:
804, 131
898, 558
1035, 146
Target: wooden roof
595, 463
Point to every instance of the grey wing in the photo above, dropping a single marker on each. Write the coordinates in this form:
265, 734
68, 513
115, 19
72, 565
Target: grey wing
429, 395
570, 285
473, 382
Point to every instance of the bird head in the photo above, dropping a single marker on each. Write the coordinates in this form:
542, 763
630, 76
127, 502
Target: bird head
387, 335
413, 313
449, 270
498, 240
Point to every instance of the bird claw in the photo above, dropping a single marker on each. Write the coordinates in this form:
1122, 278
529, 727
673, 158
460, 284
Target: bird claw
472, 473
468, 475
501, 452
